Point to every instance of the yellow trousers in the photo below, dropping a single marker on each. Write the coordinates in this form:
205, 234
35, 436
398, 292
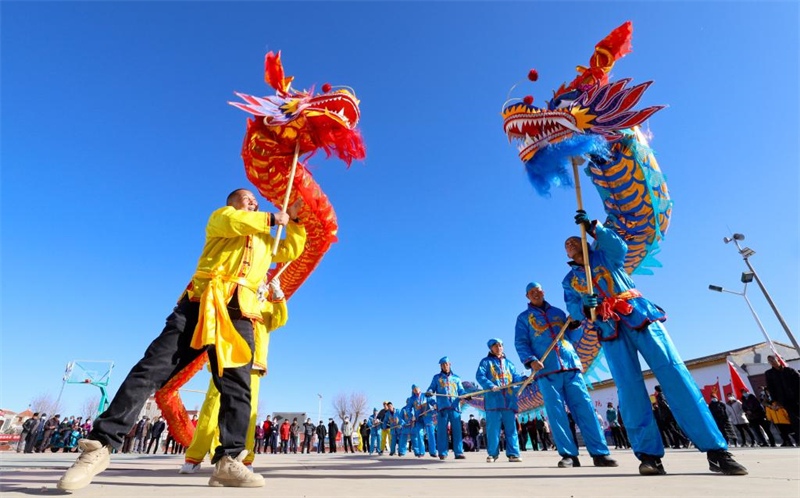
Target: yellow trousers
206, 434
385, 439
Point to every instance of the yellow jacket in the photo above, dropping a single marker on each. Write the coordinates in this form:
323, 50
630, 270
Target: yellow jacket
777, 414
236, 257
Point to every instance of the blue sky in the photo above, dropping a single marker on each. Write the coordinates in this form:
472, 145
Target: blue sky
117, 143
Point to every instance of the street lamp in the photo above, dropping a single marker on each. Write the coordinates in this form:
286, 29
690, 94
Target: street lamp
320, 407
747, 277
746, 252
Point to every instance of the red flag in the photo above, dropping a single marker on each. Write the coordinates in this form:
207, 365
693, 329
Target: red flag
710, 390
736, 381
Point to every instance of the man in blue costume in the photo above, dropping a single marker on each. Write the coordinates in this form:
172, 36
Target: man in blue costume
447, 387
496, 372
392, 423
374, 423
628, 325
406, 430
423, 422
559, 378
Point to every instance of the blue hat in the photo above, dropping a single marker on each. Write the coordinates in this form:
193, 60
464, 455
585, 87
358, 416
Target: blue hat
492, 342
532, 285
413, 386
374, 409
444, 359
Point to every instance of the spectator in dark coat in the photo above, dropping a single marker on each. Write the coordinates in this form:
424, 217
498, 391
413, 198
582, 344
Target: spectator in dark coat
473, 429
757, 418
719, 411
783, 384
36, 433
333, 431
155, 435
321, 433
27, 428
308, 435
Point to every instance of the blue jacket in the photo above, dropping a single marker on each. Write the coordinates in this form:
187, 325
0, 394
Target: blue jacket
374, 422
391, 420
449, 384
407, 419
419, 405
536, 328
613, 287
494, 371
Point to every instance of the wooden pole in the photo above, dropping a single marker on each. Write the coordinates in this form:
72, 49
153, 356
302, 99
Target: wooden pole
587, 267
286, 197
279, 272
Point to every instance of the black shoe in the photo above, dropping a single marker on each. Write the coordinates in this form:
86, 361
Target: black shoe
651, 466
604, 461
722, 461
569, 462
460, 457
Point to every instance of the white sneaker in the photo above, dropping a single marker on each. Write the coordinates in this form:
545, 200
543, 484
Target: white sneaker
249, 467
189, 468
232, 472
94, 459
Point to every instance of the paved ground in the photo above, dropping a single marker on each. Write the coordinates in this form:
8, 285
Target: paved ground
774, 472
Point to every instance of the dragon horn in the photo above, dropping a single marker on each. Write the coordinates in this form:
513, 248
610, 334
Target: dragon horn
610, 49
273, 73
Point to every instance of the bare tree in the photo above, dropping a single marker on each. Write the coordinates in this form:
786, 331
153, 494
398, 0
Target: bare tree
45, 403
358, 406
89, 407
340, 405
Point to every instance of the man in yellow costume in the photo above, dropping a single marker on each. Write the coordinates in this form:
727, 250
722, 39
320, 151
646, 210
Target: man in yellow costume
206, 434
215, 314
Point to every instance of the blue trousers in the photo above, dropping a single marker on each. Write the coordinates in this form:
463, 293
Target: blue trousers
684, 396
417, 443
394, 441
454, 419
375, 441
402, 448
569, 388
430, 431
506, 419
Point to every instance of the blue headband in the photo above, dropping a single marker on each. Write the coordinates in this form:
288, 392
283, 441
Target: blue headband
532, 285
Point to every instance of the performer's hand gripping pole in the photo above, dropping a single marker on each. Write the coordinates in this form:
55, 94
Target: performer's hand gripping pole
286, 198
587, 267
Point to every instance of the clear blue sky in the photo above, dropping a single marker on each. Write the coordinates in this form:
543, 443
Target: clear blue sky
117, 143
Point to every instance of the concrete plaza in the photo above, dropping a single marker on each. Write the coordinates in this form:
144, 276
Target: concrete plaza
773, 472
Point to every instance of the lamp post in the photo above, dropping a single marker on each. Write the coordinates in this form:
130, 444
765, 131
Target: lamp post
320, 407
747, 277
746, 252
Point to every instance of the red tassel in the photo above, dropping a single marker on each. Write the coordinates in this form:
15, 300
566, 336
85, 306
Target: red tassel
326, 88
528, 99
533, 75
